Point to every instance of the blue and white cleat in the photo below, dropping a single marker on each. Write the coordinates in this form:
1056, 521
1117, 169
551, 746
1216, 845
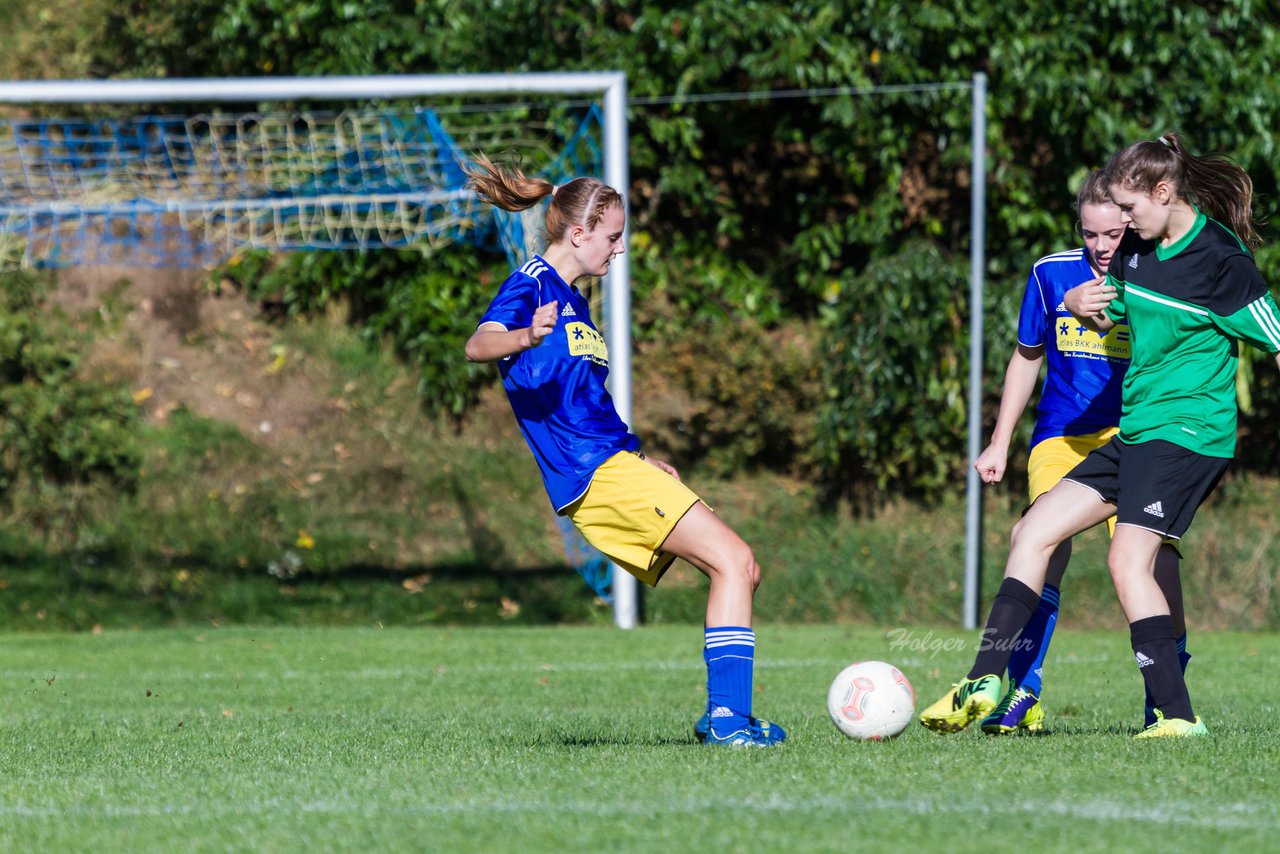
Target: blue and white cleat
749, 732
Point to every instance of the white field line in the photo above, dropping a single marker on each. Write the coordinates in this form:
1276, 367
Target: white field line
1235, 816
444, 668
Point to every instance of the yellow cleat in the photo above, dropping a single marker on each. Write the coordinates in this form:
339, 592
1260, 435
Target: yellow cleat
1173, 728
967, 701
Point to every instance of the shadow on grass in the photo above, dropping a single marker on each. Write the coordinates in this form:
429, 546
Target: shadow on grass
1081, 730
368, 571
1022, 734
113, 588
624, 740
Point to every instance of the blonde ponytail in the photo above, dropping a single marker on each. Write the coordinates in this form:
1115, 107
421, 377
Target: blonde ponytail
581, 201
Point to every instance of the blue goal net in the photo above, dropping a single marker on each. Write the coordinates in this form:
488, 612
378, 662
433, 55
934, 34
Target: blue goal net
196, 190
184, 191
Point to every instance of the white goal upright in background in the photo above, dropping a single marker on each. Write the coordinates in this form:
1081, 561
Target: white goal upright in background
203, 186
199, 188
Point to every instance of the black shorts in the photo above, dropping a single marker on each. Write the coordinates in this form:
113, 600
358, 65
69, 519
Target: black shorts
1155, 485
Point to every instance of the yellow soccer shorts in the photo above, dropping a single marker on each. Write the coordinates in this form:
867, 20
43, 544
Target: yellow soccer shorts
628, 512
1052, 458
1050, 461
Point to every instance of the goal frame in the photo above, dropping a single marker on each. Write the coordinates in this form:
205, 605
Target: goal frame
610, 86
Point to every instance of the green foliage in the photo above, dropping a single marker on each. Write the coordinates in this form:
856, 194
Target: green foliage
58, 425
676, 288
895, 414
726, 382
734, 397
805, 193
1257, 449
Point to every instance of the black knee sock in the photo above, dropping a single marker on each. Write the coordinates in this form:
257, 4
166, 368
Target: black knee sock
1157, 654
1012, 610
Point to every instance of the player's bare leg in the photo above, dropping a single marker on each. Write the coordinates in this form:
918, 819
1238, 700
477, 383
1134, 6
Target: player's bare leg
1054, 518
705, 541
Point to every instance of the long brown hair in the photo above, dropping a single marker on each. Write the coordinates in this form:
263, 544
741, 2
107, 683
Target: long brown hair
582, 201
1213, 182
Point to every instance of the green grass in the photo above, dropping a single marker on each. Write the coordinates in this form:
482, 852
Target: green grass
551, 739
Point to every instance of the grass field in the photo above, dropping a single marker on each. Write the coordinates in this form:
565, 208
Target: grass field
551, 739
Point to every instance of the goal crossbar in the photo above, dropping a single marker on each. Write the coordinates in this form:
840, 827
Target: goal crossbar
611, 86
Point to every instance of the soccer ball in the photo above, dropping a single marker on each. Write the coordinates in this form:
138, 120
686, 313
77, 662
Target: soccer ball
871, 700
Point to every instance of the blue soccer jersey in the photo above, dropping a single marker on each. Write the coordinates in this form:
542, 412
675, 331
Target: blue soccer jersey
557, 389
1081, 392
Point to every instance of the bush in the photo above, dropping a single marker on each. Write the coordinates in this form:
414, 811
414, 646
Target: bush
799, 195
58, 426
895, 377
734, 397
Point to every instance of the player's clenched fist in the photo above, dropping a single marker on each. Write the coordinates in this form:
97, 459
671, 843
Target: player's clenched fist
991, 463
544, 320
1090, 298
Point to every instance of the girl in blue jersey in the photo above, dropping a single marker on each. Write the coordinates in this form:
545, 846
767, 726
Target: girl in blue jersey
1188, 287
631, 507
1078, 411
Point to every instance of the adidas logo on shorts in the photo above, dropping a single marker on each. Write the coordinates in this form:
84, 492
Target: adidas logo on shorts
1155, 510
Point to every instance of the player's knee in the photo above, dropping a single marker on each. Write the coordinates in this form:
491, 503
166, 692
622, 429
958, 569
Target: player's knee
1121, 567
1023, 536
740, 563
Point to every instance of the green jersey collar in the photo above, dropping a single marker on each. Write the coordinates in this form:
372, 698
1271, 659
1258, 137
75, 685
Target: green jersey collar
1163, 253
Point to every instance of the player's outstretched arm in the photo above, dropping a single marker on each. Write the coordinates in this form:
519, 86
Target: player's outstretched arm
491, 342
1019, 382
1088, 301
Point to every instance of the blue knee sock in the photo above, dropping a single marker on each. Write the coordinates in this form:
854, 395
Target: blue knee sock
730, 655
1183, 655
1027, 659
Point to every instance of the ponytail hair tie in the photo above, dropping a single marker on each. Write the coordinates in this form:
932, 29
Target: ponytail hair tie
1165, 142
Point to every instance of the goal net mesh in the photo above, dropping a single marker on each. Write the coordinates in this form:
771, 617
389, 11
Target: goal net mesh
163, 190
182, 191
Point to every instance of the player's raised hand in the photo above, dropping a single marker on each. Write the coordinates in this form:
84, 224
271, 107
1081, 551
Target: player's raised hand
991, 464
1090, 298
544, 320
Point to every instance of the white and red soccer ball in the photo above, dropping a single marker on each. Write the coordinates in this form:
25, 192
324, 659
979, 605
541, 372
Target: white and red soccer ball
871, 700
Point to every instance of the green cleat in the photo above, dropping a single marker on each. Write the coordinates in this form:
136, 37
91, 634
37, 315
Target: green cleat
1173, 728
1019, 710
967, 701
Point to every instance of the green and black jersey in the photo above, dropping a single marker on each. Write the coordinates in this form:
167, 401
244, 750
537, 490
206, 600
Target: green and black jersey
1187, 305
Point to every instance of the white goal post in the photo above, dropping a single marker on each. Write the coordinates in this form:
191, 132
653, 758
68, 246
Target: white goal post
611, 86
